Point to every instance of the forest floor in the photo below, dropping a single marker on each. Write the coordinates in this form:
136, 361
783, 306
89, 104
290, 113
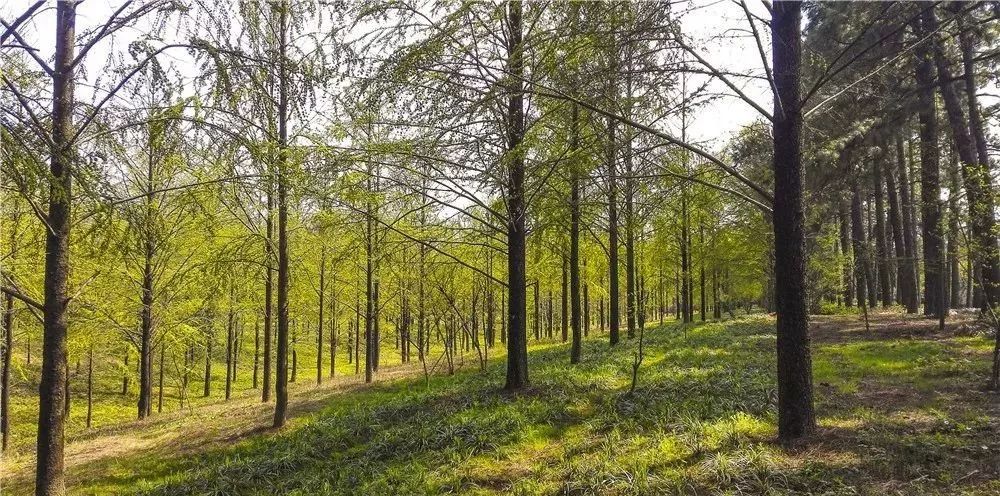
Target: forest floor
901, 410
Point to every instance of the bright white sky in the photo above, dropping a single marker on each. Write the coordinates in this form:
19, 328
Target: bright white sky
717, 27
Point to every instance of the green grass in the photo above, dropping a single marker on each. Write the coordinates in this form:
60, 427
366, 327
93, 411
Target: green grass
897, 416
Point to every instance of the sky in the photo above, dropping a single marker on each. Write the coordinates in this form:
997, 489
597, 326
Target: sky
716, 27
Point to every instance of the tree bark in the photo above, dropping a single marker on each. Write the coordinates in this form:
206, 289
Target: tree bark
930, 189
862, 277
281, 385
209, 338
881, 247
908, 268
795, 402
843, 215
268, 291
899, 245
976, 176
90, 385
49, 473
319, 335
574, 241
5, 359
517, 343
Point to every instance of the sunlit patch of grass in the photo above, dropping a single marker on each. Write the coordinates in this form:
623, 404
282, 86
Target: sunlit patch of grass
700, 421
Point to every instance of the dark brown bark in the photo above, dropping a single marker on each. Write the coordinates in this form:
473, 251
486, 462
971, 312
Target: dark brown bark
230, 341
898, 243
795, 397
843, 217
862, 276
954, 271
701, 270
574, 244
319, 326
256, 353
930, 189
613, 296
881, 248
268, 292
685, 260
5, 359
159, 396
90, 385
517, 343
908, 265
976, 177
49, 474
209, 338
564, 301
281, 384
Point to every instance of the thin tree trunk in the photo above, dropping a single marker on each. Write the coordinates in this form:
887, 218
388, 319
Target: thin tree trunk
281, 385
908, 267
159, 396
268, 293
90, 385
862, 276
208, 362
574, 245
230, 338
256, 352
319, 327
564, 300
5, 359
701, 268
930, 189
898, 243
843, 215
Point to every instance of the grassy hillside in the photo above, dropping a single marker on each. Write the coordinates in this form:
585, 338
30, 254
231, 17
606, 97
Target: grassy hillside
900, 408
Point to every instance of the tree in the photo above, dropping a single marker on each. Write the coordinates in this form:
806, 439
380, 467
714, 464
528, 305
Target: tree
795, 407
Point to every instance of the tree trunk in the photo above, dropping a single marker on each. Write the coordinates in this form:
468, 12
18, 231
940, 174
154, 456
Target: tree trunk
281, 385
862, 277
843, 215
90, 385
795, 403
268, 293
517, 349
5, 359
613, 296
208, 362
49, 475
908, 267
564, 300
930, 189
159, 396
881, 248
701, 269
230, 339
976, 176
256, 352
954, 270
898, 243
319, 327
574, 243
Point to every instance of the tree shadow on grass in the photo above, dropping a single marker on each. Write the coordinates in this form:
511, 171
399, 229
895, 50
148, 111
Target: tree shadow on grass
701, 418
